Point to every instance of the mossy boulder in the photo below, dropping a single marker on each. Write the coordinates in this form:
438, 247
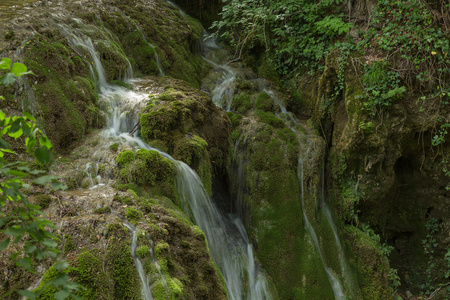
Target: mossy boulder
148, 168
379, 170
272, 210
65, 95
187, 123
174, 36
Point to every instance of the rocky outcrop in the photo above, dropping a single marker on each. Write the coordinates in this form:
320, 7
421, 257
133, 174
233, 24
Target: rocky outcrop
385, 172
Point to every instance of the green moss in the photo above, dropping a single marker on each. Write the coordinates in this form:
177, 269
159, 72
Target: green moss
267, 70
125, 157
265, 102
69, 243
103, 210
47, 291
234, 118
10, 35
270, 118
133, 214
193, 151
122, 84
91, 275
161, 250
173, 46
62, 90
167, 289
273, 213
142, 53
120, 265
242, 103
143, 252
43, 200
372, 266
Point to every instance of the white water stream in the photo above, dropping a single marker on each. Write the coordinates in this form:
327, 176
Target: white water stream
145, 289
222, 96
227, 239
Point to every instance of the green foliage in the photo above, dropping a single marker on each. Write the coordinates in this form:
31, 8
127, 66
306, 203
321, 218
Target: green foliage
383, 247
298, 33
14, 71
382, 86
429, 244
22, 222
333, 25
409, 29
55, 284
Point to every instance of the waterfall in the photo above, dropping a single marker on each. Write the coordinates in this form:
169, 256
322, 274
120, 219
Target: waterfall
222, 96
145, 289
231, 251
227, 239
335, 284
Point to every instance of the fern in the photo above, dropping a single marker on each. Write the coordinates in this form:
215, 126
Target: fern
333, 25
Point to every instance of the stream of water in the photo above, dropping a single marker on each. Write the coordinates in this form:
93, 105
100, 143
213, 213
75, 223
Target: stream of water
145, 289
222, 95
227, 239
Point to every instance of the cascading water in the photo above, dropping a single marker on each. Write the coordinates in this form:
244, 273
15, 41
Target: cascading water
233, 254
145, 290
222, 96
227, 239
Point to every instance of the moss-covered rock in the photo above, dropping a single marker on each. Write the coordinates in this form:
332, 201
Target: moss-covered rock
272, 210
64, 92
378, 168
187, 123
92, 276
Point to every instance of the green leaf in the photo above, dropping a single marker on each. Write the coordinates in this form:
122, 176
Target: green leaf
18, 69
36, 172
3, 221
30, 249
61, 265
26, 263
5, 63
62, 294
17, 173
49, 243
44, 141
8, 78
29, 117
58, 186
4, 244
4, 144
7, 151
17, 232
61, 279
16, 134
42, 154
43, 180
28, 294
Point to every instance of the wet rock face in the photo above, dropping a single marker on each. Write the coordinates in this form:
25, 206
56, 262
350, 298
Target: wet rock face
205, 11
188, 125
149, 37
389, 172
